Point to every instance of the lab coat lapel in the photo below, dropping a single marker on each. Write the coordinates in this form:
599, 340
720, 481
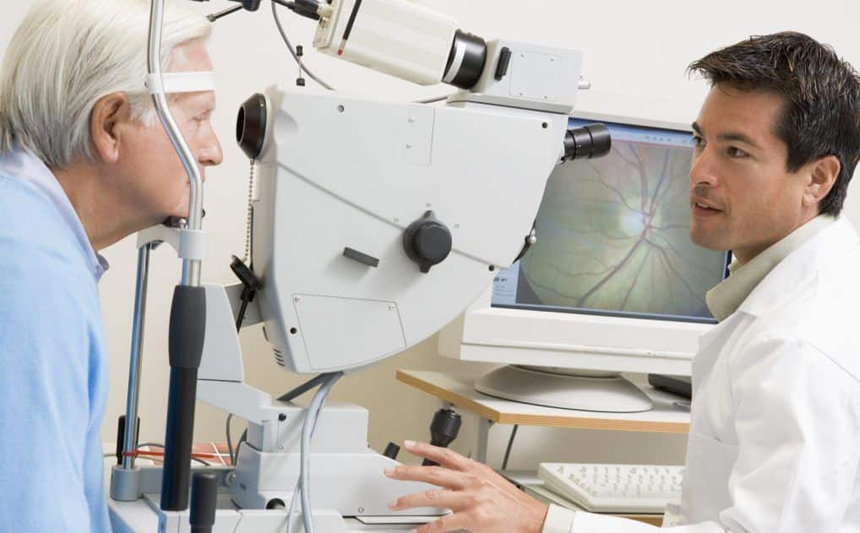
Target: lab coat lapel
710, 346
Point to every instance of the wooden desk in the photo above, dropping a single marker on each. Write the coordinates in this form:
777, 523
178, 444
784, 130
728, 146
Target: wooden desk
460, 392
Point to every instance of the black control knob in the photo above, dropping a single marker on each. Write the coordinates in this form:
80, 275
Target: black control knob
391, 451
443, 430
427, 241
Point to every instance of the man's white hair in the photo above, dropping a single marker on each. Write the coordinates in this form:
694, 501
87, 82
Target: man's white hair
68, 54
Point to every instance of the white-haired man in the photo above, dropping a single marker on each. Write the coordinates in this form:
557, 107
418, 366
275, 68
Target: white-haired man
83, 163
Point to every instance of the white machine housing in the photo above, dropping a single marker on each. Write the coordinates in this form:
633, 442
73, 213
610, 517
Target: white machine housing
340, 179
338, 172
405, 39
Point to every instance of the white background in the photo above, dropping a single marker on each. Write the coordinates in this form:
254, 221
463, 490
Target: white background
636, 53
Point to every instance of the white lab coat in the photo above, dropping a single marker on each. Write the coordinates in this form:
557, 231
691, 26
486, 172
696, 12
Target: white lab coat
774, 443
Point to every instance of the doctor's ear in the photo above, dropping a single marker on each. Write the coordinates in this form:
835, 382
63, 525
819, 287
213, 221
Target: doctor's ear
109, 113
824, 173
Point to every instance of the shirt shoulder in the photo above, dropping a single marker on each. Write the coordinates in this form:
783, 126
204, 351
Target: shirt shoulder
823, 315
35, 240
53, 387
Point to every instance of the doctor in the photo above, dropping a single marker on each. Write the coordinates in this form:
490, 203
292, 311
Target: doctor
774, 442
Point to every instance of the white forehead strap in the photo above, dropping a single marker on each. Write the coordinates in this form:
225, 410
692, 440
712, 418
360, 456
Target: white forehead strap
181, 82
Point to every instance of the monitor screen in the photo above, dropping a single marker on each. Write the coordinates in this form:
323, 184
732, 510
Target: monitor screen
613, 236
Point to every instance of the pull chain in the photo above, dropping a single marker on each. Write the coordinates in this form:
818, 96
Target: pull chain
249, 221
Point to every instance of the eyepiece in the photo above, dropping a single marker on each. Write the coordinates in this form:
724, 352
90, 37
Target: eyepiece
251, 125
587, 142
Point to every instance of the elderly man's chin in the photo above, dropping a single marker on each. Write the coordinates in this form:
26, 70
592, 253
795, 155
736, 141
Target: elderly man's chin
180, 207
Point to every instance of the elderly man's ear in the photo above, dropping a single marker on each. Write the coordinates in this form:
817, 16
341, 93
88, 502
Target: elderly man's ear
109, 115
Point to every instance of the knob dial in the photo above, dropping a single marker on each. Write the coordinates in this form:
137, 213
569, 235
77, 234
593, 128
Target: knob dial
427, 241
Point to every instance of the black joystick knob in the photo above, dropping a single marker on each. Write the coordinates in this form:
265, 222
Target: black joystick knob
443, 430
427, 241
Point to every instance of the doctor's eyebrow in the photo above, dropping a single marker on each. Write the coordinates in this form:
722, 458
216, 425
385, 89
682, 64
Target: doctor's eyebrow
728, 136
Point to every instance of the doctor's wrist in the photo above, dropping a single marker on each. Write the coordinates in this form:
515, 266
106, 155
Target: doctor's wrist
557, 520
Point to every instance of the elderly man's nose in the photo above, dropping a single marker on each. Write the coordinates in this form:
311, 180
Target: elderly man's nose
211, 154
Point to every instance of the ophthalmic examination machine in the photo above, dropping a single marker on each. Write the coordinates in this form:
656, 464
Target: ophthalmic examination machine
374, 224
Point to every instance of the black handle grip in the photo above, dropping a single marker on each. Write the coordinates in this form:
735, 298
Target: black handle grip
443, 431
187, 331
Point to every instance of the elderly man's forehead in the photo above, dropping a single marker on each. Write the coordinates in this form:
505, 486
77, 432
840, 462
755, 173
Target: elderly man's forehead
191, 57
201, 101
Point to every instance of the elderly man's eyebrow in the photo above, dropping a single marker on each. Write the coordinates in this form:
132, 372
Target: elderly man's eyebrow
696, 128
205, 103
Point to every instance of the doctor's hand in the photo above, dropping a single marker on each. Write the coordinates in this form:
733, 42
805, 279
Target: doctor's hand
482, 501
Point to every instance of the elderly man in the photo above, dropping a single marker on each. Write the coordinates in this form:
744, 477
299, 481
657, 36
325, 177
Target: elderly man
775, 424
84, 162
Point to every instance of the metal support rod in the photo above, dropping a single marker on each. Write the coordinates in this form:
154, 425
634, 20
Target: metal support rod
134, 365
188, 311
190, 267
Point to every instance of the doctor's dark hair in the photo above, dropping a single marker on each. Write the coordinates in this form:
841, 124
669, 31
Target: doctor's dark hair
820, 91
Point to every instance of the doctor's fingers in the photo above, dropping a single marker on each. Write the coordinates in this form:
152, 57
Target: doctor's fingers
441, 499
434, 475
443, 456
451, 522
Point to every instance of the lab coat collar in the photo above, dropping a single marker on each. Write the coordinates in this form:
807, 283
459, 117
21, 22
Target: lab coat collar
827, 246
22, 165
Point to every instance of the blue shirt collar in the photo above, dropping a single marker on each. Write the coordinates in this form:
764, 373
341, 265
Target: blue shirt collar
27, 168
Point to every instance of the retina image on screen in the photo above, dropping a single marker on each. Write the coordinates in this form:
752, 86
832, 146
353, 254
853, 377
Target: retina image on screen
613, 236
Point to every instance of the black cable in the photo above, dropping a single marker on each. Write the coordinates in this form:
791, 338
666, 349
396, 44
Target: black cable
301, 389
292, 50
510, 445
242, 439
230, 441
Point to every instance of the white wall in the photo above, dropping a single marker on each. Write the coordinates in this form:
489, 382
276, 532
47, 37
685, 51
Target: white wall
632, 49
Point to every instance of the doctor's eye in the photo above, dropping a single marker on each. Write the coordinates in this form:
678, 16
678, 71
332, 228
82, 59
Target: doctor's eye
736, 153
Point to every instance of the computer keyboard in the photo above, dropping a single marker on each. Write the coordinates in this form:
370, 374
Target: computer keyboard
604, 488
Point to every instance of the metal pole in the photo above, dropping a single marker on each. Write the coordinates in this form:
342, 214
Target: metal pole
190, 267
134, 369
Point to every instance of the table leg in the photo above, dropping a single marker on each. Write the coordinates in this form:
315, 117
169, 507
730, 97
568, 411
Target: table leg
483, 438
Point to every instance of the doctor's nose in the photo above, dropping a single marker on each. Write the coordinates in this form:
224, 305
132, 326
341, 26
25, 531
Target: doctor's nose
702, 171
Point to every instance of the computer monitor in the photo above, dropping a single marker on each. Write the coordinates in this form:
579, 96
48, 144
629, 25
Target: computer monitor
613, 284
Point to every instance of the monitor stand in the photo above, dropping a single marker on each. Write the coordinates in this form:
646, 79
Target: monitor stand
564, 389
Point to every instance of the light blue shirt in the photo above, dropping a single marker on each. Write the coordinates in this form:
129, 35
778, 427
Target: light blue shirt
53, 358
